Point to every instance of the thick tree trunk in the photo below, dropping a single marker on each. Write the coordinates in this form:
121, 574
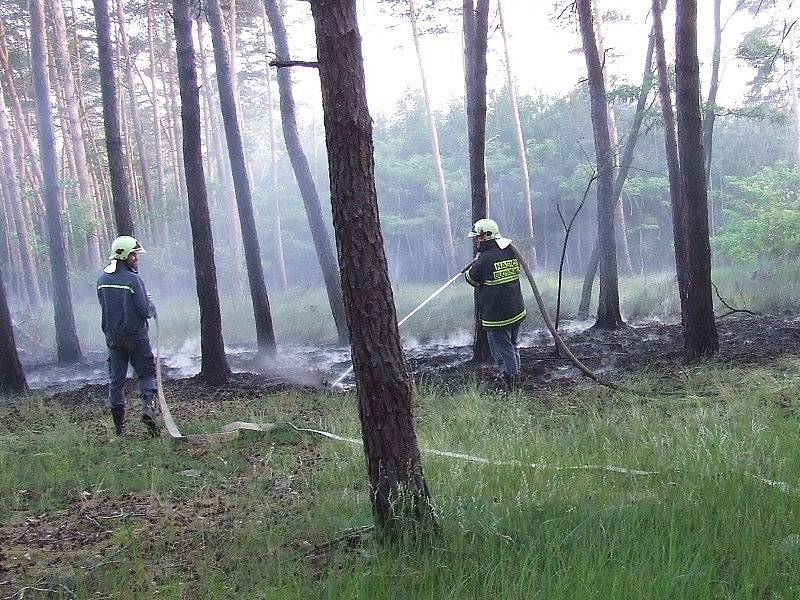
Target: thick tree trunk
444, 205
608, 314
133, 107
620, 225
12, 377
401, 503
67, 346
522, 159
280, 261
120, 190
476, 28
73, 121
224, 176
213, 364
16, 212
677, 201
622, 175
302, 173
711, 104
700, 329
230, 116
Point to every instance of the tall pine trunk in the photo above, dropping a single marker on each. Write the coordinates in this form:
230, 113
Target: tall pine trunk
27, 147
302, 173
677, 201
280, 260
608, 313
230, 115
444, 205
700, 331
161, 186
622, 174
67, 347
120, 190
73, 121
522, 158
133, 108
711, 103
401, 503
12, 377
620, 225
15, 211
213, 364
476, 28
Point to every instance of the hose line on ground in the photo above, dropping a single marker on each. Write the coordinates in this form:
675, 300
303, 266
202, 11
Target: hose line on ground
562, 347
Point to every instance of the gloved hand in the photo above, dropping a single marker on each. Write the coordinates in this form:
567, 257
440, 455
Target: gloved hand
152, 307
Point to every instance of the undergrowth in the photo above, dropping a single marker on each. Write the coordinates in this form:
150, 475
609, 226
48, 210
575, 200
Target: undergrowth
716, 515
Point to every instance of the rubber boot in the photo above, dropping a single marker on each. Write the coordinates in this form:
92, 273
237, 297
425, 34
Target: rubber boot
118, 415
149, 414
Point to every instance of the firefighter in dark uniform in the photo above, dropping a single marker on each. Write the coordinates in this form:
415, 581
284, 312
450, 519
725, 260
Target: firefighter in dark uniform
495, 274
126, 307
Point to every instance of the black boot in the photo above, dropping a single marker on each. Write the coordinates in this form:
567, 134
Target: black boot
149, 414
118, 415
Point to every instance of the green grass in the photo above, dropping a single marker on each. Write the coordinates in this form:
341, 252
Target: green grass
704, 526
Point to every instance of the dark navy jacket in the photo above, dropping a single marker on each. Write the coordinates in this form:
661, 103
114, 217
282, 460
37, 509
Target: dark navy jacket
496, 275
125, 305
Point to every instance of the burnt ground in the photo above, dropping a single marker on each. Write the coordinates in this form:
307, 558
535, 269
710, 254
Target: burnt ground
651, 347
46, 553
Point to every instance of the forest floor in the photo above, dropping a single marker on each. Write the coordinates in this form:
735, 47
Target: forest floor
84, 514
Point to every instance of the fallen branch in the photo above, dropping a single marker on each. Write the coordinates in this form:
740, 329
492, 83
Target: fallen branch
731, 310
282, 64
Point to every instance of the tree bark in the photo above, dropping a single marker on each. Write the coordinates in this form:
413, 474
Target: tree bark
174, 117
795, 88
700, 331
67, 347
12, 377
621, 176
444, 205
608, 313
161, 185
677, 200
120, 190
476, 28
224, 176
711, 103
213, 364
230, 115
302, 173
401, 503
280, 260
24, 138
522, 158
16, 213
73, 121
133, 107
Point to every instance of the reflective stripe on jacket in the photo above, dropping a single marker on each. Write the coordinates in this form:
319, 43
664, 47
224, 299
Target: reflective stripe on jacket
496, 276
124, 304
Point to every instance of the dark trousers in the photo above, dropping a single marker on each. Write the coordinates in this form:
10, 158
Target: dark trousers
139, 355
503, 346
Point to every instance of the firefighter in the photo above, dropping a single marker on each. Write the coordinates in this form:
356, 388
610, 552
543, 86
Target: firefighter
126, 307
495, 274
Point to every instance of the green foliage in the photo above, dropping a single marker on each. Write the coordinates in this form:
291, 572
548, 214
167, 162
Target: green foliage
763, 215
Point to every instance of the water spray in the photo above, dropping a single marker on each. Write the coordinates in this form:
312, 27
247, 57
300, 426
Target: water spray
413, 312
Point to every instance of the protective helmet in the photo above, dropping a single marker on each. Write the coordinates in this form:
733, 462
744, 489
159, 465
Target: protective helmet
487, 227
122, 247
